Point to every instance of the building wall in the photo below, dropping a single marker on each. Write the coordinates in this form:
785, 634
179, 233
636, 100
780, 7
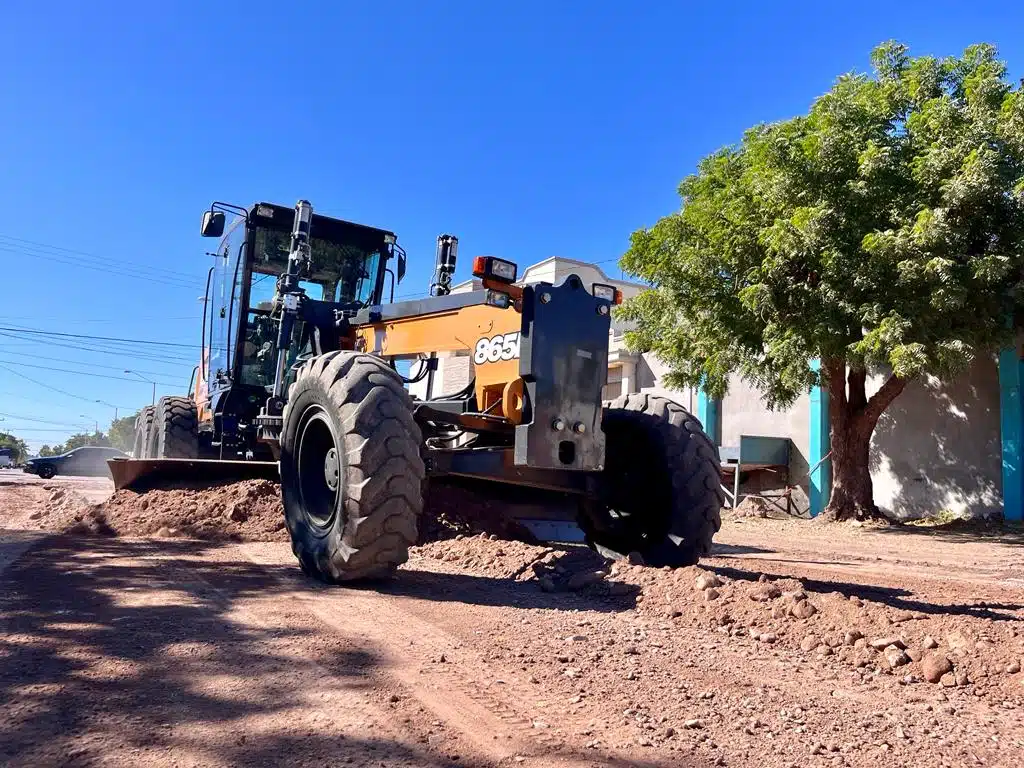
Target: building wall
937, 447
649, 374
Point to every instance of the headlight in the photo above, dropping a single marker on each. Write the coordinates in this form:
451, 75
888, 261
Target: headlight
607, 292
494, 268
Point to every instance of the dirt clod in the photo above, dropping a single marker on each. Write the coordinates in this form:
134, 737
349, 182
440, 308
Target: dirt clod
896, 657
764, 592
881, 643
934, 666
809, 643
707, 581
803, 610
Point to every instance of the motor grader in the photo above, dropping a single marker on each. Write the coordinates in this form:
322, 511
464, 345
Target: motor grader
304, 373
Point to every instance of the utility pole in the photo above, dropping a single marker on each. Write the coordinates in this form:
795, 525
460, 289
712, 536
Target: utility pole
109, 405
148, 381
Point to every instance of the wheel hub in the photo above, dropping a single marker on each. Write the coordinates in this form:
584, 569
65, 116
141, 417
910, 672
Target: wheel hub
318, 467
332, 469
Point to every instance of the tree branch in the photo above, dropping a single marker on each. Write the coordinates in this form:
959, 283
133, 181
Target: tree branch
883, 398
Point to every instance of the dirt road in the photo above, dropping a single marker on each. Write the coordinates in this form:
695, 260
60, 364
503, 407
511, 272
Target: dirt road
124, 651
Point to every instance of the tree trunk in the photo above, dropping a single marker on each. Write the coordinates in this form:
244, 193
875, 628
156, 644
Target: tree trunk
852, 489
852, 420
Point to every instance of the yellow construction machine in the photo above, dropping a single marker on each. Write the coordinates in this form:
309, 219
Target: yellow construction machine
305, 373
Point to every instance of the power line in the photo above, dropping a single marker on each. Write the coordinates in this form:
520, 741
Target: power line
55, 389
81, 427
50, 247
107, 270
114, 319
84, 373
79, 362
99, 263
41, 421
121, 352
37, 332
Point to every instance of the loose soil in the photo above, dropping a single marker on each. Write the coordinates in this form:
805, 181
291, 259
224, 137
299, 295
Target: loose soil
797, 644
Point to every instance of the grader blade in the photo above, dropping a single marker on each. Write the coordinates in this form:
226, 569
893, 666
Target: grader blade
140, 474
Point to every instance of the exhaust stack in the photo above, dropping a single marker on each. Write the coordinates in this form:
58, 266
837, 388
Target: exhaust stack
444, 268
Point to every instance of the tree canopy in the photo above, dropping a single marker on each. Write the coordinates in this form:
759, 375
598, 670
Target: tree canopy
83, 438
19, 450
883, 229
122, 432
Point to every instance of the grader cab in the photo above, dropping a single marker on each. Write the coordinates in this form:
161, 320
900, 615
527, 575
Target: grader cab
301, 375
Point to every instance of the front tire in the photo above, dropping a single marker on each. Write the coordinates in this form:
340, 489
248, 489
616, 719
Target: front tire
175, 433
46, 472
351, 470
662, 483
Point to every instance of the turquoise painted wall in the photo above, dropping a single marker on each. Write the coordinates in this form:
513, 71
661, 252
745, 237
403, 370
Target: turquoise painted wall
820, 479
1011, 432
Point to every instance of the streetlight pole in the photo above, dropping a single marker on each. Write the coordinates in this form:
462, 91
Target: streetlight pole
148, 381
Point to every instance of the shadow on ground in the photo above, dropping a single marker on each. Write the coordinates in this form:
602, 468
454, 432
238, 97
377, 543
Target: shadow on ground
962, 531
128, 651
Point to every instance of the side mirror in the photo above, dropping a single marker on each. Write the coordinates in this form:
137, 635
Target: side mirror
401, 265
213, 224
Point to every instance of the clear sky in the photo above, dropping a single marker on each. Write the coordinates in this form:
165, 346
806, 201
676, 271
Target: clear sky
528, 129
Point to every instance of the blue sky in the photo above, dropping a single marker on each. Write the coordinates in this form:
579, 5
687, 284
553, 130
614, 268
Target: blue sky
529, 130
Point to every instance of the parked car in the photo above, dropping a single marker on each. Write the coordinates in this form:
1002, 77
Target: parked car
87, 460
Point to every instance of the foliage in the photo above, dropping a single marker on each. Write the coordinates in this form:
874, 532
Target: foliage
885, 228
46, 450
80, 439
122, 432
19, 450
882, 230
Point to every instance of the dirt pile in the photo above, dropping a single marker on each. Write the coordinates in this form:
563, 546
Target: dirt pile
62, 509
972, 646
249, 510
245, 511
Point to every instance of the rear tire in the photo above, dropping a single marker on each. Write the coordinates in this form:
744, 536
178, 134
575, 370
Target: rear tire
143, 428
351, 470
663, 484
175, 433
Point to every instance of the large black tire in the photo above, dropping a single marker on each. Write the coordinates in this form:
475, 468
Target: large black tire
662, 483
47, 471
351, 469
143, 428
175, 433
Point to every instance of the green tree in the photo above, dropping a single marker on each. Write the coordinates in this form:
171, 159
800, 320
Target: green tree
84, 438
19, 450
122, 432
883, 231
47, 451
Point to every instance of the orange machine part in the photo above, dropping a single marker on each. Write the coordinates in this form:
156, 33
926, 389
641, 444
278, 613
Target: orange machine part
453, 331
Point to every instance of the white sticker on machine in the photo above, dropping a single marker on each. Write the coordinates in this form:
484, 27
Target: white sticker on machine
504, 346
